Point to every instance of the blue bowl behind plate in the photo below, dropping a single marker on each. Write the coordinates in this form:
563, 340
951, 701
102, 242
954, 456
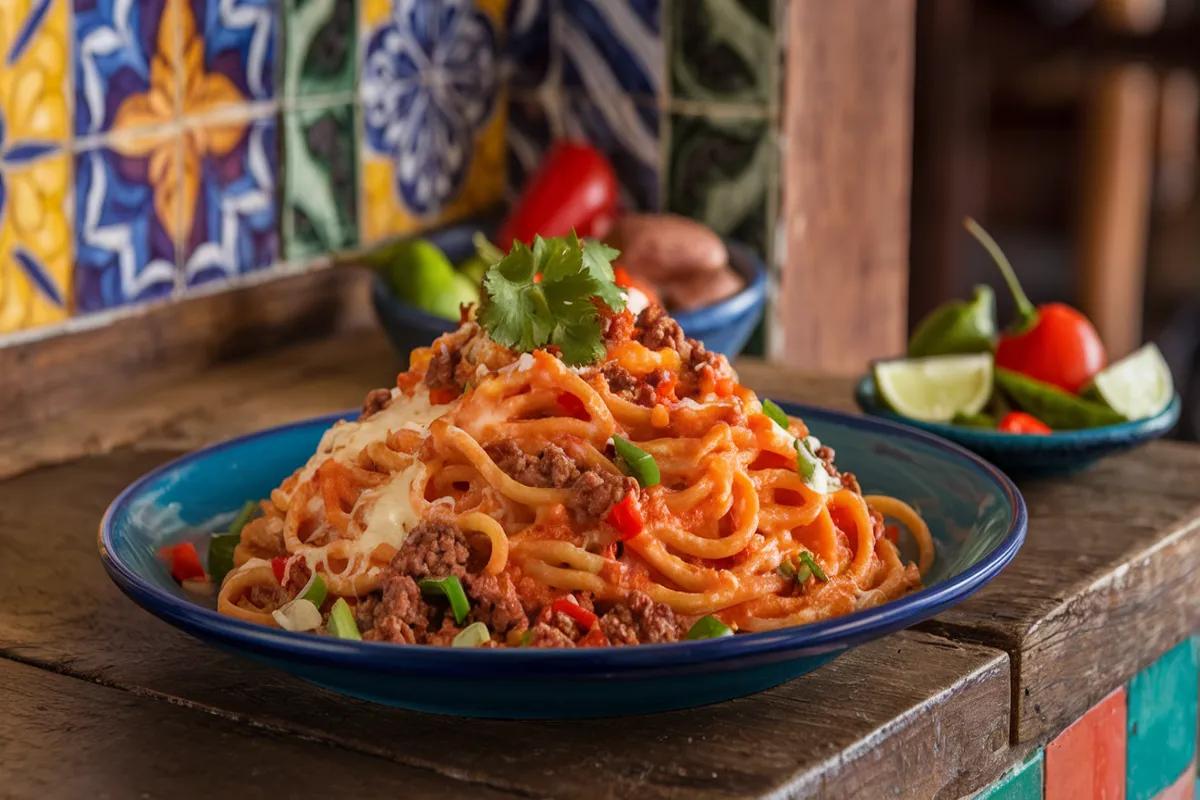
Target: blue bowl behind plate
1058, 453
723, 327
975, 513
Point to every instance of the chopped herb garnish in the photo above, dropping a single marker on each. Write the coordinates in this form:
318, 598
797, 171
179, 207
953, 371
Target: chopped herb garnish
709, 627
637, 463
473, 635
788, 569
805, 465
527, 638
244, 516
806, 559
221, 545
775, 414
341, 621
523, 313
316, 592
451, 589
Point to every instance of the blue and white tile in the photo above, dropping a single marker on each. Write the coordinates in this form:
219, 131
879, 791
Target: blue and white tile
124, 252
239, 39
628, 132
234, 227
527, 44
611, 46
529, 134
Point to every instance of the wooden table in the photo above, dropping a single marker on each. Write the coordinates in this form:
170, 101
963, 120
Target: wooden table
105, 700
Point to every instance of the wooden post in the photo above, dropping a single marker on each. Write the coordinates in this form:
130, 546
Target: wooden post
846, 164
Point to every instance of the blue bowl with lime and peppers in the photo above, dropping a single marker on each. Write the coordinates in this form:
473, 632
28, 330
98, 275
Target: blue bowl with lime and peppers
421, 283
1036, 399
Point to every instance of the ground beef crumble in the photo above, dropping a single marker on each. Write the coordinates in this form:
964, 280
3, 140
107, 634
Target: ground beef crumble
377, 400
594, 493
440, 373
640, 620
433, 549
552, 468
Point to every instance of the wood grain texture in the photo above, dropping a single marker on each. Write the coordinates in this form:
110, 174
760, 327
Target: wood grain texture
846, 125
64, 737
914, 713
46, 378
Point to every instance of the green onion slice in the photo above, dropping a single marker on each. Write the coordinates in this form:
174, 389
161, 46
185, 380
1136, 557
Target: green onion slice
775, 413
709, 627
452, 590
473, 635
341, 621
806, 466
527, 638
637, 463
244, 516
806, 558
316, 590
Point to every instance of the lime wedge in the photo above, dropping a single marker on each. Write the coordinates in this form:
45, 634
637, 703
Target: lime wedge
1137, 386
934, 389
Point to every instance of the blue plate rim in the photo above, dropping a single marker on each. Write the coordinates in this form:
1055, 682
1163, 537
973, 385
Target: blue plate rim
866, 395
819, 637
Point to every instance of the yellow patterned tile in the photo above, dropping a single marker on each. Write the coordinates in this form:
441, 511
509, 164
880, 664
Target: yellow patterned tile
382, 215
35, 245
33, 96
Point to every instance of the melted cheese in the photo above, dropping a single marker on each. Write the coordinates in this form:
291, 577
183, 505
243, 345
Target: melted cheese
345, 440
393, 514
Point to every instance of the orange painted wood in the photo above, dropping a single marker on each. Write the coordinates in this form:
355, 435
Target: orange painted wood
1087, 760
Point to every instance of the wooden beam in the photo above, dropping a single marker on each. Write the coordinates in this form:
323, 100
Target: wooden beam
846, 130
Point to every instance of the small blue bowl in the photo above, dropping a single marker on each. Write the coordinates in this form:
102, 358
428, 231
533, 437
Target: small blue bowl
723, 327
1058, 453
976, 515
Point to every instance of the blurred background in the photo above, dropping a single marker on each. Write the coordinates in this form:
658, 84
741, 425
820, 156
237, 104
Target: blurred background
1070, 127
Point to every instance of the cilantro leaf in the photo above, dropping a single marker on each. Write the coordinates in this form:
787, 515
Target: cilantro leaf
525, 313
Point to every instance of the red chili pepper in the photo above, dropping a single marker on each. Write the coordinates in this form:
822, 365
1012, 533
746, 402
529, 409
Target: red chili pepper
1052, 343
665, 391
1020, 422
184, 562
626, 517
279, 566
575, 188
573, 406
575, 611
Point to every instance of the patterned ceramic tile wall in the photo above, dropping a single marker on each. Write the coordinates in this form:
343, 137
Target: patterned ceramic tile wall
149, 149
682, 95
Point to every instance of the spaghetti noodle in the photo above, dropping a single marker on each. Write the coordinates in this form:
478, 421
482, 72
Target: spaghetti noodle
500, 470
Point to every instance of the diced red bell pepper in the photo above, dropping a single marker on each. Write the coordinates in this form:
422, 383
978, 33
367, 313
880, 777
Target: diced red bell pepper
1020, 422
572, 406
574, 188
575, 611
184, 562
626, 517
279, 566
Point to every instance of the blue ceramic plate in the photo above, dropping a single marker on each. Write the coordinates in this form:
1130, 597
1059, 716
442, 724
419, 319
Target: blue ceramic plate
975, 513
723, 327
1059, 453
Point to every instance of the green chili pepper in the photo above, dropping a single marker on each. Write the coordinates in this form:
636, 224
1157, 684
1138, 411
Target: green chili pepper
709, 627
221, 545
775, 413
637, 463
807, 560
1058, 409
959, 326
452, 590
317, 590
806, 463
473, 635
341, 621
974, 420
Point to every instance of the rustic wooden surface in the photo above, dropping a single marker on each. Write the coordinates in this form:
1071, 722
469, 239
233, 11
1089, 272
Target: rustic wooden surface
846, 127
155, 346
913, 710
64, 737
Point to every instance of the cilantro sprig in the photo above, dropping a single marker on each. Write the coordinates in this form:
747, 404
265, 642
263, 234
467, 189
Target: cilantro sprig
521, 311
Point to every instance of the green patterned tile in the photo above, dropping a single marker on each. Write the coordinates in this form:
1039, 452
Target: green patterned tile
724, 50
1161, 739
320, 189
1023, 783
723, 172
319, 46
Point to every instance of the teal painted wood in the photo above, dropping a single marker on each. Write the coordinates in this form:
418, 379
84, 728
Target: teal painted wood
1161, 740
1023, 783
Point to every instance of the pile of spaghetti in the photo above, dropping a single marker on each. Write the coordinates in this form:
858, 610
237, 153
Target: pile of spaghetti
561, 471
